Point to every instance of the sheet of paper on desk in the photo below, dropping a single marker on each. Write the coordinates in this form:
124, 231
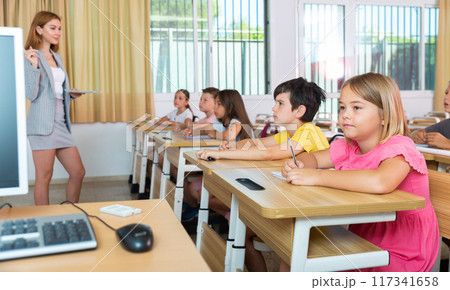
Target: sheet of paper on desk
278, 175
197, 137
160, 131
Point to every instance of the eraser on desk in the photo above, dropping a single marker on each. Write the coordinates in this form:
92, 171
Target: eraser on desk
120, 210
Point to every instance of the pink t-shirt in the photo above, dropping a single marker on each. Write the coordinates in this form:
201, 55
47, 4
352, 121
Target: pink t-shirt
205, 120
413, 238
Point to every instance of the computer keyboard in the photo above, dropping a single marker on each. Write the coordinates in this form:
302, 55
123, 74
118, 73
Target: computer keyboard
45, 235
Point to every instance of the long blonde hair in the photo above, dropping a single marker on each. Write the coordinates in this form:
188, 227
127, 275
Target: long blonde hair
383, 92
40, 19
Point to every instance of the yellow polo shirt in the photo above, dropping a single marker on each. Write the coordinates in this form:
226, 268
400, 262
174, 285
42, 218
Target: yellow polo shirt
310, 137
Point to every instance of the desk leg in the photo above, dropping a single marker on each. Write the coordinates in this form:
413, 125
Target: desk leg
202, 213
178, 199
164, 176
300, 244
155, 163
135, 150
143, 168
443, 167
234, 216
238, 248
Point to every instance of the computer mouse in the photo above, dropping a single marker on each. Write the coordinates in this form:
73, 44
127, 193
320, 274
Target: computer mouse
136, 238
210, 159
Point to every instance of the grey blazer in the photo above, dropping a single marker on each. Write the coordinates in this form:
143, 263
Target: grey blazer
39, 89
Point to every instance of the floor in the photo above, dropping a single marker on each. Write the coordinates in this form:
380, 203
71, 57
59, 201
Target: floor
117, 189
92, 191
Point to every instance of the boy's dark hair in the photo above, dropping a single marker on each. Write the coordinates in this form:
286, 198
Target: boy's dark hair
303, 93
212, 91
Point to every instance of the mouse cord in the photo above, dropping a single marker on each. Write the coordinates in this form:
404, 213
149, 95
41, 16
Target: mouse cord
5, 204
92, 216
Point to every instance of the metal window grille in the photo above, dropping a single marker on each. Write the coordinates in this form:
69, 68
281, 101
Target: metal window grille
236, 58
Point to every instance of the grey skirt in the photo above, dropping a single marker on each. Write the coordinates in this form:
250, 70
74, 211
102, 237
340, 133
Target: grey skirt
60, 136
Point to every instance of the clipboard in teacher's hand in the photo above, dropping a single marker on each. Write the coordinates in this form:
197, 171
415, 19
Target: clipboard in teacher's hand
82, 92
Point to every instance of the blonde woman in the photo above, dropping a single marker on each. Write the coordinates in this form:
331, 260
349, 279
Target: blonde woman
48, 122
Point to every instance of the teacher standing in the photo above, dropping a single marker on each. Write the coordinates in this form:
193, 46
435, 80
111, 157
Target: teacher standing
48, 122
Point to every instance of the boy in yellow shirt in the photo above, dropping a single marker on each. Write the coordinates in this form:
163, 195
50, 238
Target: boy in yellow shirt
296, 103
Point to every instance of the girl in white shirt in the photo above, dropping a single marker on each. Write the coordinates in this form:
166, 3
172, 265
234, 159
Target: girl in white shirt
182, 116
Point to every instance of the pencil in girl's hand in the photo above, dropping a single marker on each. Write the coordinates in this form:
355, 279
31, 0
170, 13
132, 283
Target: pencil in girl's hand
229, 138
292, 151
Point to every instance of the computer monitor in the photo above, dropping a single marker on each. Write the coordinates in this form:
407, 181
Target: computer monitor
13, 139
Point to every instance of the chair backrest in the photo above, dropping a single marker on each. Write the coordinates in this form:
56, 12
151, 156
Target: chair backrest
440, 114
262, 118
269, 129
440, 198
336, 137
424, 120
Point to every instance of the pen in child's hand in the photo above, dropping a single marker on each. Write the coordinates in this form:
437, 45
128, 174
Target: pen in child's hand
229, 137
292, 151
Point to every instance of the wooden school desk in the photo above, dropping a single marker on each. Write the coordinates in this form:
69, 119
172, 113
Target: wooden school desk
173, 250
283, 215
143, 142
130, 138
210, 185
174, 145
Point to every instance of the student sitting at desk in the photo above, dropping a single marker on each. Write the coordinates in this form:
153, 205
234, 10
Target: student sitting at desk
206, 105
296, 103
438, 134
182, 116
376, 157
230, 117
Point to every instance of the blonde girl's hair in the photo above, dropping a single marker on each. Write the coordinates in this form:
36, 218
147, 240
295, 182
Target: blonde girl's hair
383, 92
40, 19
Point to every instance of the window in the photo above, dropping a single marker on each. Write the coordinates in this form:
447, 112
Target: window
388, 42
431, 31
219, 43
341, 39
387, 39
324, 45
171, 26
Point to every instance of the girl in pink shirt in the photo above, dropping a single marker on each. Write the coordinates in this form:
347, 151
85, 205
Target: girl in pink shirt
377, 157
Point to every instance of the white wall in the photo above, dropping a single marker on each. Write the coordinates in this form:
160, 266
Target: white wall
102, 149
102, 146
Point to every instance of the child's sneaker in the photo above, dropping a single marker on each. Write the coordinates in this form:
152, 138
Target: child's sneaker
189, 214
